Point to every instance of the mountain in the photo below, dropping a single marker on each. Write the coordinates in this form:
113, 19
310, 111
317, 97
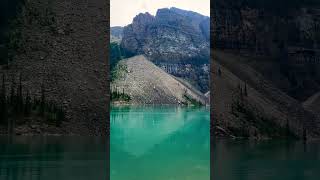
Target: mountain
145, 83
175, 40
60, 46
116, 34
262, 109
266, 68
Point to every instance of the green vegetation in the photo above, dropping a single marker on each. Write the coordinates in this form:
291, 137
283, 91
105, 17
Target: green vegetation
120, 96
251, 117
119, 72
15, 108
116, 54
192, 101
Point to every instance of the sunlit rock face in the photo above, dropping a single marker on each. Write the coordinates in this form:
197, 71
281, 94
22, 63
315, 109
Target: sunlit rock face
176, 40
172, 35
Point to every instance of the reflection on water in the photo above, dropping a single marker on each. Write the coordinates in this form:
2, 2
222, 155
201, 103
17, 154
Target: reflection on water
159, 143
53, 158
265, 160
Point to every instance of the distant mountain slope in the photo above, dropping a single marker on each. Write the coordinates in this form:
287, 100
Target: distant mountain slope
270, 47
313, 103
263, 106
146, 83
175, 40
116, 34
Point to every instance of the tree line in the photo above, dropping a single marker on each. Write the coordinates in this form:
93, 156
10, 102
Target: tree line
17, 107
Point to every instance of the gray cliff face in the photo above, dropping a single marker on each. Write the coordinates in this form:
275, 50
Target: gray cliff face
173, 35
175, 40
116, 34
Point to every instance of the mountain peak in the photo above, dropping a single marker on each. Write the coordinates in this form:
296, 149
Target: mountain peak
143, 18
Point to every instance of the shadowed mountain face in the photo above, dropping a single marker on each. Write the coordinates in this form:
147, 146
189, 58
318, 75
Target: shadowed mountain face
285, 33
175, 40
267, 67
8, 9
60, 45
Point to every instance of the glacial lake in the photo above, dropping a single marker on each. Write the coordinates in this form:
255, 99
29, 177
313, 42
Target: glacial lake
265, 160
53, 158
158, 143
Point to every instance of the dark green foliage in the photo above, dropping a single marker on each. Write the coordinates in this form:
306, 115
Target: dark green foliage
304, 134
116, 54
118, 72
3, 103
192, 101
42, 103
250, 116
17, 109
27, 105
245, 89
119, 96
219, 72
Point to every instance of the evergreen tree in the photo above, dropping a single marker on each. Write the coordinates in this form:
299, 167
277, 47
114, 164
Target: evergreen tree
3, 103
245, 89
304, 133
27, 106
287, 128
12, 93
19, 98
42, 103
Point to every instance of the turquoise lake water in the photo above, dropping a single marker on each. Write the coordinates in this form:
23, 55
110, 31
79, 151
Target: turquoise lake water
265, 160
157, 143
53, 158
153, 143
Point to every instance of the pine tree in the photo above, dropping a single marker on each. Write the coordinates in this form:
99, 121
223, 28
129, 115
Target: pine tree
19, 98
42, 104
287, 128
245, 89
27, 106
304, 133
3, 102
60, 116
12, 93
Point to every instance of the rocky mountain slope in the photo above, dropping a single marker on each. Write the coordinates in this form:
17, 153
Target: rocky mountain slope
247, 104
285, 34
61, 45
116, 34
266, 56
146, 83
175, 40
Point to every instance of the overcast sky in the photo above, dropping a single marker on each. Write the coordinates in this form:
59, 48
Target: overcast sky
123, 11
